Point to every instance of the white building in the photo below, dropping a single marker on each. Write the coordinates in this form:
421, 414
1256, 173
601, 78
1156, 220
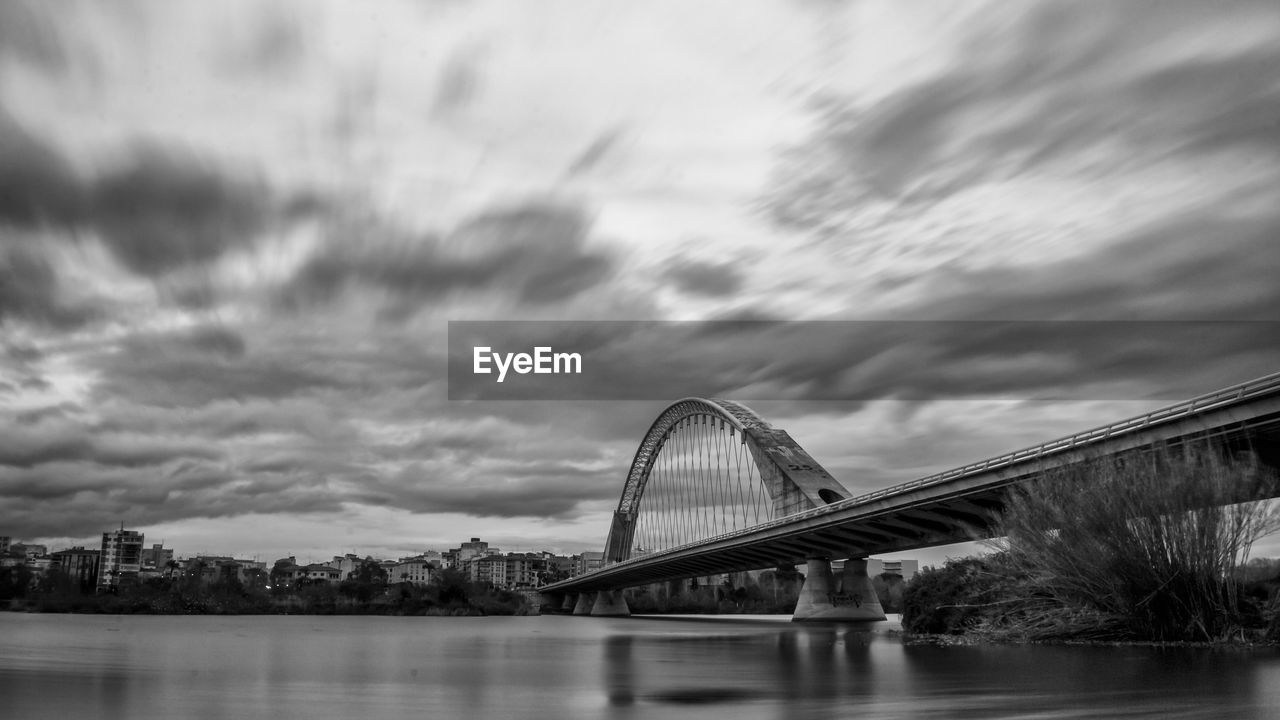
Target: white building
414, 570
587, 562
121, 556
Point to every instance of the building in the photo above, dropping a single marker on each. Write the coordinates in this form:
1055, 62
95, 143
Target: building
523, 570
285, 572
413, 570
509, 572
29, 551
156, 558
559, 567
487, 570
318, 572
906, 569
587, 562
213, 568
121, 557
5, 540
345, 565
79, 564
459, 557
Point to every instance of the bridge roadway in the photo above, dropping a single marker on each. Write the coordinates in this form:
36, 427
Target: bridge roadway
952, 506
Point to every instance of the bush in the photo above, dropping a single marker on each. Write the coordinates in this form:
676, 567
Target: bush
953, 598
1145, 546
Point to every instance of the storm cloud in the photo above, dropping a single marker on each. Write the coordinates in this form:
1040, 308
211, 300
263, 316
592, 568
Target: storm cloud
915, 235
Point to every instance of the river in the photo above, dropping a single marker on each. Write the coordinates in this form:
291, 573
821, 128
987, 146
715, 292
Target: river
69, 667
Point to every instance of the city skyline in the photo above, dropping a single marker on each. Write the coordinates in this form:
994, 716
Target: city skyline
232, 237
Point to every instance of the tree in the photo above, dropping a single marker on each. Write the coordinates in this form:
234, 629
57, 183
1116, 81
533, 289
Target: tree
366, 581
452, 587
369, 572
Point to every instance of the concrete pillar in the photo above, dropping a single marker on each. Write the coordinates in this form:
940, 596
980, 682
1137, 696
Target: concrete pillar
856, 587
815, 594
570, 599
583, 606
819, 599
610, 603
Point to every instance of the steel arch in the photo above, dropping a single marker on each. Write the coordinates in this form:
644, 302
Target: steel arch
794, 481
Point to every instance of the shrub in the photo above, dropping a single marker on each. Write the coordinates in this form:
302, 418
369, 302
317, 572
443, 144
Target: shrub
1147, 545
953, 598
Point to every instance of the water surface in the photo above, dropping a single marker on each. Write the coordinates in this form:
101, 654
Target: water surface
312, 668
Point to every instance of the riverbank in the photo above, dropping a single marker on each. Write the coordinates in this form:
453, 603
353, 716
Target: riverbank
449, 594
977, 640
988, 599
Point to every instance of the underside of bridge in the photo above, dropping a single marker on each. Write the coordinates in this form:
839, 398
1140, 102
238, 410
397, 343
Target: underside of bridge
715, 489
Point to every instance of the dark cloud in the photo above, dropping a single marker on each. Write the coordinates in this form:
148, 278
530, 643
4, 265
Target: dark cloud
51, 436
537, 251
32, 36
696, 277
212, 365
1186, 267
157, 210
1046, 87
219, 341
191, 369
79, 499
23, 353
38, 415
30, 291
37, 185
534, 254
553, 489
163, 210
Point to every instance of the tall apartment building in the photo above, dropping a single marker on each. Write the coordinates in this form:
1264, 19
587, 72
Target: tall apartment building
121, 557
459, 557
4, 544
524, 570
487, 570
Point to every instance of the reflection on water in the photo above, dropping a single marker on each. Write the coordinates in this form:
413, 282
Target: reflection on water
566, 667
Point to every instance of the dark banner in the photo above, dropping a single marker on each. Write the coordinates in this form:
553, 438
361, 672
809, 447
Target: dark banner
853, 360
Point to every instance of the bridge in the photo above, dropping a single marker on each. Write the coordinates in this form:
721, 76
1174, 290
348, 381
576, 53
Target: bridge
714, 488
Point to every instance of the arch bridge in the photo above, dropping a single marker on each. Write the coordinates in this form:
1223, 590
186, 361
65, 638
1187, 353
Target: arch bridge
714, 488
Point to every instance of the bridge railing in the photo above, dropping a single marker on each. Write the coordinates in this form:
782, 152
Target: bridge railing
1211, 401
1225, 397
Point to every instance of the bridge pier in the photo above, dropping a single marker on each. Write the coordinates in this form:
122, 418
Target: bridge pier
610, 603
570, 600
584, 603
819, 599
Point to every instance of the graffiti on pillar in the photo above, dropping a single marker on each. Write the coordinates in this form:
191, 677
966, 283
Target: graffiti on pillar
845, 599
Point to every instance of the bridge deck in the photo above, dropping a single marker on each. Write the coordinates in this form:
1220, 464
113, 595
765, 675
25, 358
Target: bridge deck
952, 506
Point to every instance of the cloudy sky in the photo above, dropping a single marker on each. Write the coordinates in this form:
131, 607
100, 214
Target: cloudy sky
232, 236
